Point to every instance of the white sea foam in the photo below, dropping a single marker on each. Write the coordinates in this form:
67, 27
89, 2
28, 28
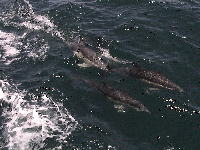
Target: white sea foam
31, 119
106, 53
12, 44
31, 26
9, 43
41, 23
166, 1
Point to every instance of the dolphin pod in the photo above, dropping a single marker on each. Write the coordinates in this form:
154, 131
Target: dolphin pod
117, 95
148, 76
135, 71
92, 59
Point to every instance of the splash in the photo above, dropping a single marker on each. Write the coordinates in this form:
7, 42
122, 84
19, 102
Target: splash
31, 120
106, 53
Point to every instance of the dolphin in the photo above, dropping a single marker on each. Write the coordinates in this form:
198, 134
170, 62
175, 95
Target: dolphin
117, 95
88, 55
148, 76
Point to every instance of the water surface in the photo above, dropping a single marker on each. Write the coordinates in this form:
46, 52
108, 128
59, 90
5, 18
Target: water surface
43, 106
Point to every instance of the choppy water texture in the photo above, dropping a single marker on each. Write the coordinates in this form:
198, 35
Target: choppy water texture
43, 106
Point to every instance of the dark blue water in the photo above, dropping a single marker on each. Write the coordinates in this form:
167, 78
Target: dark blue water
42, 104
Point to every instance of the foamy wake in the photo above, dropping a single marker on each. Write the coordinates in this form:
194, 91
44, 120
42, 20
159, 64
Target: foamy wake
31, 120
9, 43
12, 44
39, 22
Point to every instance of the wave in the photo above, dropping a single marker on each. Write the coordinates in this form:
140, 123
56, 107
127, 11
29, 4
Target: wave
30, 120
20, 15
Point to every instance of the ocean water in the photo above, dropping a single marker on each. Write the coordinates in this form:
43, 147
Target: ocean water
44, 107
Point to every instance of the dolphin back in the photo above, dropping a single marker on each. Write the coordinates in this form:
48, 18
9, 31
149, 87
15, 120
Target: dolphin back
148, 76
156, 79
117, 95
